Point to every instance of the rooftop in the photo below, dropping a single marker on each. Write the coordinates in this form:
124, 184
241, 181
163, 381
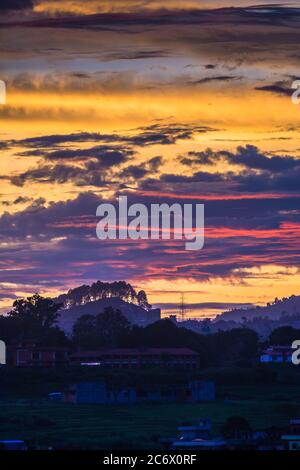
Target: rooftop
136, 352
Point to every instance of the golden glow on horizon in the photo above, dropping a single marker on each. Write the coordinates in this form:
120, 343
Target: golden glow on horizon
259, 286
240, 119
235, 112
84, 7
241, 111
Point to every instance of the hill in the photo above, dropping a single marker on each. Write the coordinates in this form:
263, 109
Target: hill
100, 290
279, 309
134, 313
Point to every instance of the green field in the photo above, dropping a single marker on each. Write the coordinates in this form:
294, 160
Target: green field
43, 423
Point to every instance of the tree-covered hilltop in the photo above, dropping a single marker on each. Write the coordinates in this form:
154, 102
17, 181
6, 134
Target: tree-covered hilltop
104, 290
276, 310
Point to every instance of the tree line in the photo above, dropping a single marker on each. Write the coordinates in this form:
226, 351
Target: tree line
34, 320
104, 290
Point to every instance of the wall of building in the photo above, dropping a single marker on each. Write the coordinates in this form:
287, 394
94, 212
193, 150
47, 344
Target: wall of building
100, 393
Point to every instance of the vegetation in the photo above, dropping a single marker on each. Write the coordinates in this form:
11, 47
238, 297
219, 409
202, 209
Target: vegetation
32, 320
44, 423
103, 330
249, 395
35, 320
104, 290
284, 336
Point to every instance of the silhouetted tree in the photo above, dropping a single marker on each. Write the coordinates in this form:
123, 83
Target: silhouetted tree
142, 300
33, 320
10, 329
103, 330
38, 310
85, 333
104, 290
284, 336
235, 344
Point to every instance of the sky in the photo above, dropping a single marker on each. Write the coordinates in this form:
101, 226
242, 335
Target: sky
163, 102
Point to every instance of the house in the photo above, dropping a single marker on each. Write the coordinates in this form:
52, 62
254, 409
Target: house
192, 392
277, 354
199, 436
292, 440
134, 358
56, 396
100, 393
32, 355
13, 445
202, 390
196, 436
201, 430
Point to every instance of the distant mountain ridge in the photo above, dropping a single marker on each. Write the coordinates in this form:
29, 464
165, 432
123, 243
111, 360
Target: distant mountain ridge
274, 311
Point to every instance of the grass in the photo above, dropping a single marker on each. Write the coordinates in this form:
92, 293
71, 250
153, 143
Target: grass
49, 424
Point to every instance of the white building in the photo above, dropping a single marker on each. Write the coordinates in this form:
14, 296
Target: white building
277, 355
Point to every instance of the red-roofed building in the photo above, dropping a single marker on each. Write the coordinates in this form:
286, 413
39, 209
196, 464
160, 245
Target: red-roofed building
36, 356
132, 358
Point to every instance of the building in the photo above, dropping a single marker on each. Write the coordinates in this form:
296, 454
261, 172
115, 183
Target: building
292, 440
13, 445
32, 355
133, 358
100, 393
195, 436
199, 436
202, 390
277, 354
192, 392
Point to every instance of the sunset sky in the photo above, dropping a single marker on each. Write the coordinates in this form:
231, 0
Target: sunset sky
175, 101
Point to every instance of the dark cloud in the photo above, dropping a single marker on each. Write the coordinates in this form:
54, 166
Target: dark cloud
199, 176
60, 242
278, 88
137, 54
204, 305
137, 172
249, 157
39, 220
162, 134
108, 156
218, 78
166, 134
48, 174
93, 173
57, 139
273, 14
288, 181
55, 244
227, 183
15, 4
95, 163
24, 200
